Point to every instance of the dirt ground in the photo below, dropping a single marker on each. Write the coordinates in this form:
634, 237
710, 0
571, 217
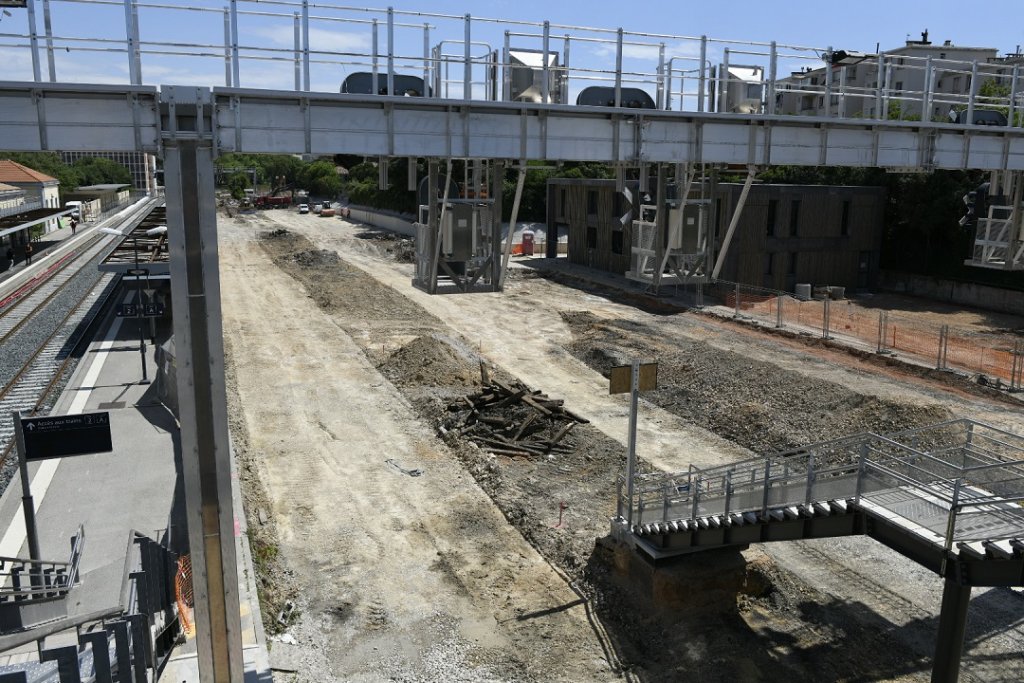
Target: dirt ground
412, 556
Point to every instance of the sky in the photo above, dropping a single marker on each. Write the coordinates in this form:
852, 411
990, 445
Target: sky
852, 26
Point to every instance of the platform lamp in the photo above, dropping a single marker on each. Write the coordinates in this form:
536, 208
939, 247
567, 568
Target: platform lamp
137, 273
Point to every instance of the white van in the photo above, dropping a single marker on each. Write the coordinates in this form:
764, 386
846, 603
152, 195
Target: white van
76, 210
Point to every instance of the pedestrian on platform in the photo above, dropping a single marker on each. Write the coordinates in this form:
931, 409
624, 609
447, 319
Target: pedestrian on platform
10, 257
74, 224
28, 253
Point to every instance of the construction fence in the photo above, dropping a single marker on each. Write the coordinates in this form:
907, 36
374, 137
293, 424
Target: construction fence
996, 359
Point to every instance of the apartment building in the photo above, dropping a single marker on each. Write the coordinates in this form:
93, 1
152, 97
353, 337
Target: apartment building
893, 84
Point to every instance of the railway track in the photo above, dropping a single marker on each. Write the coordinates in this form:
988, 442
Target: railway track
43, 321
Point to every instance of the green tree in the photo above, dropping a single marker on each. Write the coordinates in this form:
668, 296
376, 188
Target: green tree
321, 178
101, 171
237, 184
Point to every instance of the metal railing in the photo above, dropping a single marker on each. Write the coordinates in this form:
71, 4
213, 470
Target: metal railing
23, 581
964, 478
305, 46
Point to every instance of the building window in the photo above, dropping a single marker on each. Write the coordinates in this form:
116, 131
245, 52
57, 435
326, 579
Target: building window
844, 224
792, 263
591, 201
956, 84
773, 208
616, 241
899, 86
591, 237
942, 55
794, 217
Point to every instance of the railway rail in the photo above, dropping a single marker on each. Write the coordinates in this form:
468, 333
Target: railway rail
42, 321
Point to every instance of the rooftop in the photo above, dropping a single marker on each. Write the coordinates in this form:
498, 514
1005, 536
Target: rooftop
13, 172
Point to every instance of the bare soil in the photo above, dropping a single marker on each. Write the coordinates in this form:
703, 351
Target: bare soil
507, 560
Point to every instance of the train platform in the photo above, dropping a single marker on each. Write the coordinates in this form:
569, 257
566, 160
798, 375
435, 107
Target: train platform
137, 487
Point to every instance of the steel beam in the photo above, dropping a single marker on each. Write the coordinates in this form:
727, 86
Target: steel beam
949, 643
206, 456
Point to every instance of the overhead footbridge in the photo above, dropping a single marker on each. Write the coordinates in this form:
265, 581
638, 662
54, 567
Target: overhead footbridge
949, 496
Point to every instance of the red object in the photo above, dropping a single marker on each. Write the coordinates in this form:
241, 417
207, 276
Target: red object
268, 202
527, 243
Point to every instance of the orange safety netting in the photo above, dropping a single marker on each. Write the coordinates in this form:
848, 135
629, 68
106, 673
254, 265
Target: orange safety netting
183, 593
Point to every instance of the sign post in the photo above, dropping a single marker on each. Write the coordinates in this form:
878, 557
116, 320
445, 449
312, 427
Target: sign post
42, 438
634, 379
26, 499
139, 273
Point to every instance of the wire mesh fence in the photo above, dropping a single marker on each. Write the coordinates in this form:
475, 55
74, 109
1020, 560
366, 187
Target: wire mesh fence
995, 358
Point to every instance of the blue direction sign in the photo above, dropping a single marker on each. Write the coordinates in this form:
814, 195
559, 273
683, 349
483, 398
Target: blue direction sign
58, 436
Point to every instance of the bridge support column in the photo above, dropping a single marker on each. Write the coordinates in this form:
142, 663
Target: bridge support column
949, 644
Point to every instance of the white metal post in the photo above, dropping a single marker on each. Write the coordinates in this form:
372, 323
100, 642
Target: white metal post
48, 27
634, 401
305, 45
828, 82
33, 40
506, 70
426, 60
1013, 95
972, 92
723, 82
926, 97
467, 70
618, 68
773, 70
227, 48
129, 39
879, 85
391, 50
703, 77
137, 51
545, 76
565, 72
841, 112
205, 450
236, 82
660, 99
297, 50
374, 60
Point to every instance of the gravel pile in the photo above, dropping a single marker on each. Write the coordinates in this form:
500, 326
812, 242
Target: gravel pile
429, 360
762, 407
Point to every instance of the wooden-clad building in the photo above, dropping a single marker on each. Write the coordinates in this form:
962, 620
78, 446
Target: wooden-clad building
823, 235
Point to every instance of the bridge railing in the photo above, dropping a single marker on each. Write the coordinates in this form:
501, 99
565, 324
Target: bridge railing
305, 46
960, 479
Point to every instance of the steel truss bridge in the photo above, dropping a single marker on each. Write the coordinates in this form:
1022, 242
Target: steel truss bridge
941, 500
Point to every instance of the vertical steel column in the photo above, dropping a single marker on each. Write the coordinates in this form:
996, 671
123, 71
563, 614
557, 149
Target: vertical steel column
497, 193
33, 39
949, 643
426, 59
879, 84
926, 96
943, 346
972, 92
129, 39
235, 81
195, 287
828, 82
227, 48
773, 73
564, 87
305, 45
391, 50
736, 299
660, 92
778, 311
885, 94
826, 323
723, 82
137, 53
703, 78
841, 111
374, 60
467, 67
618, 68
668, 88
506, 70
545, 76
1013, 95
297, 50
48, 27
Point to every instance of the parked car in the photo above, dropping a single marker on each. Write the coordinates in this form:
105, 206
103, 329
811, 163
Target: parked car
317, 207
982, 117
303, 208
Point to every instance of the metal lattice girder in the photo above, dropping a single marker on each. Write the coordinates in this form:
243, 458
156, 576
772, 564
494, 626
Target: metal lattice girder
91, 117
